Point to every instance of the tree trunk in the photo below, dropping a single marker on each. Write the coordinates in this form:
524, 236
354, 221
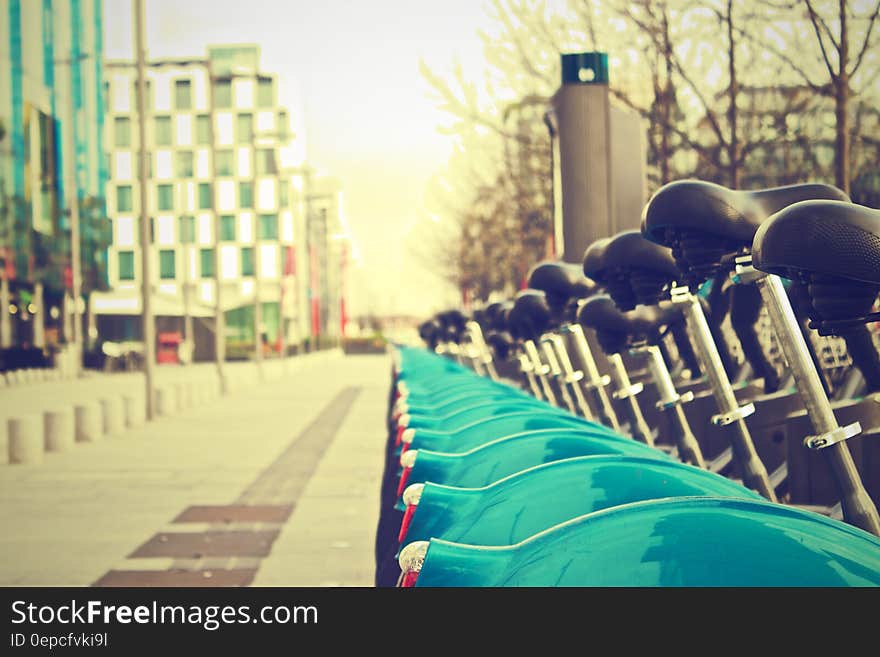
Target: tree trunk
841, 108
733, 92
666, 107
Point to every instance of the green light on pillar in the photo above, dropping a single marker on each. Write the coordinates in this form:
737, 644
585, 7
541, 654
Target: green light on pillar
585, 68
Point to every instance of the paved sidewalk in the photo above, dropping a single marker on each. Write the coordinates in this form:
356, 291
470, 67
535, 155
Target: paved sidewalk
202, 495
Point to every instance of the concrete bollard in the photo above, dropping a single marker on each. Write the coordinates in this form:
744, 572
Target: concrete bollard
112, 416
134, 410
184, 396
89, 424
26, 439
166, 400
4, 442
58, 429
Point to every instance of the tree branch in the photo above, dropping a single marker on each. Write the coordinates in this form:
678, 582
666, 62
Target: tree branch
872, 20
814, 19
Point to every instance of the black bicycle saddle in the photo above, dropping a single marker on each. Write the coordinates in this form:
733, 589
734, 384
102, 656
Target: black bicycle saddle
594, 264
636, 271
703, 222
616, 329
832, 248
530, 315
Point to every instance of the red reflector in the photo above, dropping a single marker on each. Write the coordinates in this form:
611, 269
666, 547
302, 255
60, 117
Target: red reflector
404, 448
409, 580
404, 525
403, 477
400, 430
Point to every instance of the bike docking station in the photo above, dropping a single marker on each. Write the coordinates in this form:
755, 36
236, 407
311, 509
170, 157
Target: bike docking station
607, 426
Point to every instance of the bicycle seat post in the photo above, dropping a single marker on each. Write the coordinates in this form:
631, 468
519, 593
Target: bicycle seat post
670, 403
731, 414
475, 332
541, 370
626, 393
568, 376
858, 507
593, 382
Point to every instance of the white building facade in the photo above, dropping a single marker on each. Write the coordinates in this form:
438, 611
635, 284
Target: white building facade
219, 196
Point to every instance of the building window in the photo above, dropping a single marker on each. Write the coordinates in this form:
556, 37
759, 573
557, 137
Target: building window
265, 97
203, 130
163, 130
247, 261
206, 262
244, 128
266, 162
122, 132
126, 265
205, 196
223, 94
184, 164
166, 264
245, 195
123, 198
268, 227
283, 194
183, 94
187, 230
165, 197
227, 228
282, 125
225, 163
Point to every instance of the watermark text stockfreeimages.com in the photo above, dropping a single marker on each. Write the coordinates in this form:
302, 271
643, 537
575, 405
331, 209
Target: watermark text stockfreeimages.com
210, 617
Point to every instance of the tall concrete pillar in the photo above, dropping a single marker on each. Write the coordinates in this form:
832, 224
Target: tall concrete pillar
5, 320
39, 317
601, 153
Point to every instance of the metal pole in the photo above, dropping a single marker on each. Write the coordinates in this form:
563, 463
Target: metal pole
219, 316
593, 382
670, 403
858, 507
541, 370
626, 392
70, 184
149, 327
258, 308
569, 377
731, 415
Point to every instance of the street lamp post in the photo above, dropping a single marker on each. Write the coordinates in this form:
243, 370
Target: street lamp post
149, 326
71, 186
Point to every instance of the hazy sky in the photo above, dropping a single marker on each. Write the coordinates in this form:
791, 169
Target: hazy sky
354, 69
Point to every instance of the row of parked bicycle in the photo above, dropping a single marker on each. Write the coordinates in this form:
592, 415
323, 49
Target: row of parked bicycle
631, 422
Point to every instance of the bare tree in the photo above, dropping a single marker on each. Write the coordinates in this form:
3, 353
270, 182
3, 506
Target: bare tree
845, 34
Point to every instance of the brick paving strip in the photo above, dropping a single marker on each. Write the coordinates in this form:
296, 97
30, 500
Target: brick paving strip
224, 545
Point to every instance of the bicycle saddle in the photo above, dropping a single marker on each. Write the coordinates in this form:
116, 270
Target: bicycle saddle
429, 332
501, 343
616, 329
594, 264
832, 248
530, 315
452, 323
702, 221
563, 285
497, 314
637, 271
